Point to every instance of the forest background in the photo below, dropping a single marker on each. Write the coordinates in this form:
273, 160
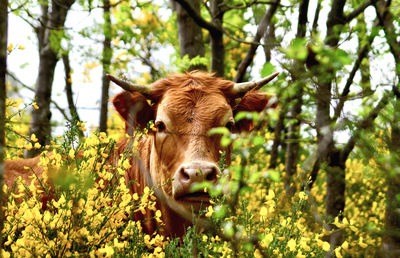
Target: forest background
332, 145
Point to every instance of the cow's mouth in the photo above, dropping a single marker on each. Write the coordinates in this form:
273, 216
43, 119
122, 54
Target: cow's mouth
195, 197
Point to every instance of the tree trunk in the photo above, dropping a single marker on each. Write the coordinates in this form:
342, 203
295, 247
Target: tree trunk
334, 175
292, 151
3, 71
335, 190
216, 39
68, 91
40, 121
279, 128
190, 34
107, 54
391, 238
215, 29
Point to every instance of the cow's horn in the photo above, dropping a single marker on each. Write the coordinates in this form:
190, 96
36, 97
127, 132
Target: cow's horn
128, 86
243, 87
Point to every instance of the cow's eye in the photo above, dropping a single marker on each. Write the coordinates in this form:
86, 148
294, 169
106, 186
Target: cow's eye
230, 125
160, 126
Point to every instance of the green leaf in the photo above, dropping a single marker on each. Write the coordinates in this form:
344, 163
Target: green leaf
267, 69
225, 141
258, 140
228, 229
274, 175
218, 130
200, 186
241, 115
219, 212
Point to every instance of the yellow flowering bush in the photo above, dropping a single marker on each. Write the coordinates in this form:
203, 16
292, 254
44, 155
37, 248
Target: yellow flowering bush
89, 211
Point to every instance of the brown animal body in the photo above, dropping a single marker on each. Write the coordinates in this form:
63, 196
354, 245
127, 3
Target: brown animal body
180, 152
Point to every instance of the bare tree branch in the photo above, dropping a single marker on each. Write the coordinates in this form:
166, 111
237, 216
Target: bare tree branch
23, 85
197, 17
346, 90
225, 7
360, 9
316, 17
262, 27
18, 7
364, 124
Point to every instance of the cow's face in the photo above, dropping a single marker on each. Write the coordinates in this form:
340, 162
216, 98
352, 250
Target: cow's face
184, 108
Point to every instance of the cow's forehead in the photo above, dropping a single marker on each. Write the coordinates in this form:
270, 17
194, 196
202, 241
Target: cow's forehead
194, 107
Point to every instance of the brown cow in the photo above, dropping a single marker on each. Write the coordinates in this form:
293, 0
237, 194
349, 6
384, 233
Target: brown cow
180, 152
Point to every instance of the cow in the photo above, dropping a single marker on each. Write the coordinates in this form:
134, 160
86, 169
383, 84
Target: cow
179, 152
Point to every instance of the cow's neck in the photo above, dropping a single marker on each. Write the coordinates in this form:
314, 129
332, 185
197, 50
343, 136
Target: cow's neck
174, 224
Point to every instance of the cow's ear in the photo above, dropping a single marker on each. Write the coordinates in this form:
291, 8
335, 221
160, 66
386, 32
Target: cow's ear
253, 102
134, 109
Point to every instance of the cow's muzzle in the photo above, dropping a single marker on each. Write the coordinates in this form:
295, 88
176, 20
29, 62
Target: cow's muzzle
190, 173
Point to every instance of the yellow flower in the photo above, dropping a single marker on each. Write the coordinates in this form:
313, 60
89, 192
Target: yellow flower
37, 145
303, 196
71, 153
210, 211
267, 240
337, 252
21, 47
10, 47
107, 250
292, 245
35, 106
135, 197
326, 246
34, 138
345, 245
28, 146
5, 254
361, 243
158, 216
263, 212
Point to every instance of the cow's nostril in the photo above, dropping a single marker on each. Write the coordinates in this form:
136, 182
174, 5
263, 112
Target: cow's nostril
212, 175
184, 175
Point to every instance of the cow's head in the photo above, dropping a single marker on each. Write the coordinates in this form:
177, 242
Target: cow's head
184, 108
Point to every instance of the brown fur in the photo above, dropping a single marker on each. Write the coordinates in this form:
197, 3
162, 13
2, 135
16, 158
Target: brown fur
194, 103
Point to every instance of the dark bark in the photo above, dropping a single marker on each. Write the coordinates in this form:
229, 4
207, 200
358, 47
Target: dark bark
292, 151
335, 20
391, 238
190, 34
216, 40
334, 175
269, 41
40, 121
68, 87
106, 61
316, 17
279, 128
214, 28
3, 71
293, 147
41, 30
261, 30
68, 91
